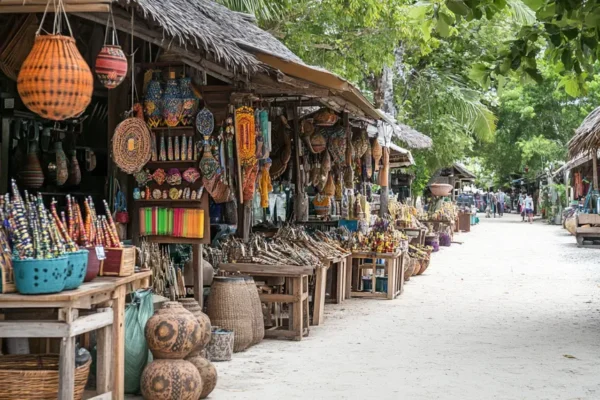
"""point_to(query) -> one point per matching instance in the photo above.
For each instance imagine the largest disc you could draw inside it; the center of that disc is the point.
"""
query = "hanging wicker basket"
(132, 145)
(55, 82)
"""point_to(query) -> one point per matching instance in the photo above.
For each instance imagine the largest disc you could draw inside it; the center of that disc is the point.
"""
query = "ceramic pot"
(93, 264)
(208, 373)
(111, 66)
(172, 332)
(50, 89)
(190, 101)
(153, 101)
(32, 175)
(171, 379)
(74, 171)
(172, 103)
(192, 306)
(62, 169)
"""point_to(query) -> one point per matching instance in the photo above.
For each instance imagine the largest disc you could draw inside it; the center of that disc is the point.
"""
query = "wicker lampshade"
(55, 81)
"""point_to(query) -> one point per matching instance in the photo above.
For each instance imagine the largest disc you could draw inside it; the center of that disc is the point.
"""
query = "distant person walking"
(494, 201)
(501, 197)
(522, 206)
(529, 208)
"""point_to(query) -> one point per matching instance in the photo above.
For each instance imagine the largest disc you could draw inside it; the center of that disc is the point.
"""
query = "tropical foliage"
(501, 82)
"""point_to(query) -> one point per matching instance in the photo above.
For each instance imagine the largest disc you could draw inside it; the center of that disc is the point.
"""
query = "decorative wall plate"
(205, 122)
(132, 145)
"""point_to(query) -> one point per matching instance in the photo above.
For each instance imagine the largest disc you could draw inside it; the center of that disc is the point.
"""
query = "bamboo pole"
(595, 166)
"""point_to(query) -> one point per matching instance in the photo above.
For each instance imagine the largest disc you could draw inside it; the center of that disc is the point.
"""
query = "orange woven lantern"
(55, 82)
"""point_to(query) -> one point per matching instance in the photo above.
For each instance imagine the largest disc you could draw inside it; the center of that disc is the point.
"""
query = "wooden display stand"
(104, 294)
(583, 233)
(197, 244)
(394, 271)
(464, 222)
(338, 267)
(296, 282)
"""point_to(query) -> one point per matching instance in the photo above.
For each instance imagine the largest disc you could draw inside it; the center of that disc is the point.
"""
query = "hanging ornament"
(189, 101)
(45, 84)
(153, 101)
(246, 148)
(377, 152)
(111, 63)
(62, 169)
(265, 184)
(74, 171)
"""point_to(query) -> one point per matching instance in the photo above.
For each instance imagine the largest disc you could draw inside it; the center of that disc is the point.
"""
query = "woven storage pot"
(220, 347)
(205, 326)
(171, 379)
(230, 307)
(35, 377)
(258, 325)
(55, 81)
(111, 66)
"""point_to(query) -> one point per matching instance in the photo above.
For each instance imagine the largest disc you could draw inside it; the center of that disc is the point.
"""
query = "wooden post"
(66, 364)
(5, 154)
(384, 180)
(298, 187)
(119, 343)
(595, 166)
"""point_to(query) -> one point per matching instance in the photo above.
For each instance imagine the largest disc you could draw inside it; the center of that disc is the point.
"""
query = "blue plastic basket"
(40, 276)
(77, 263)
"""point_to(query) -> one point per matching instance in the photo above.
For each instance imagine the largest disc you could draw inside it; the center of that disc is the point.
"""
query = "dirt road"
(513, 313)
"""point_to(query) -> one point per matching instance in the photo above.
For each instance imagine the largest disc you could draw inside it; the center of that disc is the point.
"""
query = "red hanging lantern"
(111, 63)
(111, 66)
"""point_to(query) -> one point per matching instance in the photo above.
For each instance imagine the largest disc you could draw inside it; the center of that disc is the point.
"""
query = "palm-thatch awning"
(413, 138)
(587, 136)
(400, 157)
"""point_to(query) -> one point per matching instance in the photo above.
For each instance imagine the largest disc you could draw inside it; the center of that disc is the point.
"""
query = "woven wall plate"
(132, 145)
(205, 122)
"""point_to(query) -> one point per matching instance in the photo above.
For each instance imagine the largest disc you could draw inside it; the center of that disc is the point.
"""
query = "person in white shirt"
(529, 208)
(500, 196)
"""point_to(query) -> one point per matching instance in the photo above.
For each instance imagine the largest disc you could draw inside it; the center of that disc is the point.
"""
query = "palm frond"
(521, 13)
(262, 9)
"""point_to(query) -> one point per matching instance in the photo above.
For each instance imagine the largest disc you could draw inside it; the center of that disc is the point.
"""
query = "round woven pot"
(208, 373)
(230, 307)
(62, 169)
(440, 189)
(220, 347)
(192, 306)
(32, 175)
(171, 379)
(55, 81)
(258, 324)
(111, 66)
(132, 145)
(172, 332)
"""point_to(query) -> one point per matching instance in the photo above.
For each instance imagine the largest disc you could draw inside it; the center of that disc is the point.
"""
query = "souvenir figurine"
(136, 193)
(176, 152)
(170, 149)
(165, 194)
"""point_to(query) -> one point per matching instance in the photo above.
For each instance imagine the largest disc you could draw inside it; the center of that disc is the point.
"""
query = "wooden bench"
(583, 233)
(104, 294)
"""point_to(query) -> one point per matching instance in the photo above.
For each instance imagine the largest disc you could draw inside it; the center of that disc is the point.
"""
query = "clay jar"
(192, 306)
(171, 379)
(208, 372)
(172, 332)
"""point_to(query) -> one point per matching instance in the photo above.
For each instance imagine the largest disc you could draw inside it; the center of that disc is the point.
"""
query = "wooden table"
(296, 283)
(339, 264)
(394, 270)
(107, 296)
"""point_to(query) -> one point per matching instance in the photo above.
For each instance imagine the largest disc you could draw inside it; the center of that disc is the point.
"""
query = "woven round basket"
(258, 324)
(35, 377)
(230, 307)
(55, 81)
(132, 145)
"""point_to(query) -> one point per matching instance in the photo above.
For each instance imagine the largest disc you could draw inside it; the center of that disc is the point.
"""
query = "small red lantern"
(111, 66)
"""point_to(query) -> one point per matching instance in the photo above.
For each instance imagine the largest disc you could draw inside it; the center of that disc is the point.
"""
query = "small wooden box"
(118, 262)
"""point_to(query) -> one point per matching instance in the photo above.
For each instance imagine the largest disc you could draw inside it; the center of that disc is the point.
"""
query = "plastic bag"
(137, 354)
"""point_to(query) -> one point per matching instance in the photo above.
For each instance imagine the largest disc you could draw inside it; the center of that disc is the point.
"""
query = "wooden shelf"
(172, 164)
(174, 240)
(170, 202)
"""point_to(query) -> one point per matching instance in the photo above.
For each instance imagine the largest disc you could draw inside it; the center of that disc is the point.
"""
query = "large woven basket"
(230, 307)
(35, 377)
(258, 324)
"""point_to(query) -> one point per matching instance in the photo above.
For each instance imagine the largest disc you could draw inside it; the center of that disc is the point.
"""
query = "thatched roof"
(205, 24)
(413, 138)
(587, 136)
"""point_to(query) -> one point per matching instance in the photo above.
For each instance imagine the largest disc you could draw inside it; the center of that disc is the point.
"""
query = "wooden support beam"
(70, 8)
(33, 329)
(91, 322)
(595, 167)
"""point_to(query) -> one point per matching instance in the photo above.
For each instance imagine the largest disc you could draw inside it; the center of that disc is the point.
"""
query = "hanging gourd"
(377, 152)
(111, 63)
(55, 82)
